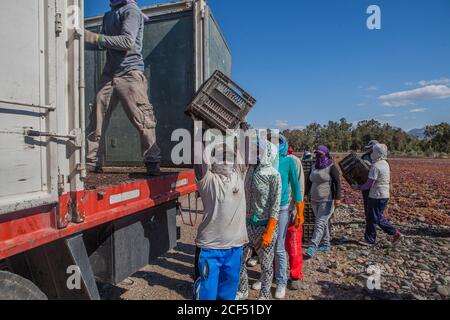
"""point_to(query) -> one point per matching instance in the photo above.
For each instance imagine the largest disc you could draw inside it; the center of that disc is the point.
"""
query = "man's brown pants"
(131, 91)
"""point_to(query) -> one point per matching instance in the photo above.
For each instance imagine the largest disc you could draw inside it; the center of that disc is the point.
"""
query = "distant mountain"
(419, 133)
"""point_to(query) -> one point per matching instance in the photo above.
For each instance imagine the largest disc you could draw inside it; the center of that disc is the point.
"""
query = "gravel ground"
(417, 268)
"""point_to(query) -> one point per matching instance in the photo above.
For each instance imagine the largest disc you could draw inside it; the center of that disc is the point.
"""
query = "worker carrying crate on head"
(122, 80)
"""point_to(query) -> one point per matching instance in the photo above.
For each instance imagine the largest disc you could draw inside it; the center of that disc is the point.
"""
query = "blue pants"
(219, 274)
(322, 212)
(374, 217)
(281, 258)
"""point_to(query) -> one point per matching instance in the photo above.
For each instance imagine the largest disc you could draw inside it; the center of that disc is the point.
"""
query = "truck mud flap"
(121, 248)
(61, 269)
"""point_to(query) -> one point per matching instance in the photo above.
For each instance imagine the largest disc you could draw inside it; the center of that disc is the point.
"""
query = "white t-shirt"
(380, 172)
(224, 223)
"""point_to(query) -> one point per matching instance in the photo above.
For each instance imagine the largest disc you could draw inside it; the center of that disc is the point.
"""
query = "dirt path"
(418, 268)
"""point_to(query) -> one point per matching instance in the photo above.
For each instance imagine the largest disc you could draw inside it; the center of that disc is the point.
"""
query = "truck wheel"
(14, 287)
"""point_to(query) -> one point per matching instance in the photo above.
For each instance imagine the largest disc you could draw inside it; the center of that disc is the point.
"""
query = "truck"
(64, 230)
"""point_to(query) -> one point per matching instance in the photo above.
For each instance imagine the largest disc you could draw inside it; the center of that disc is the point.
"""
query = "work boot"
(153, 169)
(93, 168)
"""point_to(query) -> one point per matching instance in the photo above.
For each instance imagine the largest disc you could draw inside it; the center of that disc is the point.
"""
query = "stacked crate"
(220, 103)
(354, 169)
(308, 226)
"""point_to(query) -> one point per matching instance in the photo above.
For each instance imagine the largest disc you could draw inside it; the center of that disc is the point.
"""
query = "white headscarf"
(380, 152)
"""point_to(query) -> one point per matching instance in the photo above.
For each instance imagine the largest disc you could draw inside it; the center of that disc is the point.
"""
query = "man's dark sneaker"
(396, 238)
(295, 284)
(92, 168)
(153, 169)
(366, 244)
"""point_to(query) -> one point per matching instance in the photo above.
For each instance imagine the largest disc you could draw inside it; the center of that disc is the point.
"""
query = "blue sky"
(314, 61)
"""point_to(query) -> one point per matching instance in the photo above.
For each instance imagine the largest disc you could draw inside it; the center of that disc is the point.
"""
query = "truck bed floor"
(118, 175)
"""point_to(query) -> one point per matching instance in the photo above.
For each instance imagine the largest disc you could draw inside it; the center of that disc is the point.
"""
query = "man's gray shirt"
(224, 222)
(122, 36)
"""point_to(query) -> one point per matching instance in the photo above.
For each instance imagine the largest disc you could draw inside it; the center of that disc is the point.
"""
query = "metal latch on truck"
(58, 24)
(75, 135)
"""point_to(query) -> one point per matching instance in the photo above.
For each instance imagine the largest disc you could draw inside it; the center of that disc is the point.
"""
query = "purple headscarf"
(323, 157)
(115, 3)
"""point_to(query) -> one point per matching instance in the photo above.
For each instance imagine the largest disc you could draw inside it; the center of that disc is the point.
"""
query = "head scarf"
(290, 151)
(268, 156)
(370, 145)
(380, 152)
(283, 146)
(307, 155)
(116, 3)
(323, 159)
(219, 165)
(224, 171)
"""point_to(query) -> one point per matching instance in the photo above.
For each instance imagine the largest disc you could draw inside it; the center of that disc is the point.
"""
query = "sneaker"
(396, 238)
(310, 252)
(280, 292)
(324, 248)
(252, 262)
(153, 169)
(365, 243)
(241, 296)
(257, 285)
(295, 284)
(92, 168)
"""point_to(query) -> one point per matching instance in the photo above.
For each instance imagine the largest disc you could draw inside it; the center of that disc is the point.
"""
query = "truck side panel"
(183, 46)
(39, 96)
(27, 80)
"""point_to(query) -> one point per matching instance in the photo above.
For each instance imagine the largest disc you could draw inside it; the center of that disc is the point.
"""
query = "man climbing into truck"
(122, 80)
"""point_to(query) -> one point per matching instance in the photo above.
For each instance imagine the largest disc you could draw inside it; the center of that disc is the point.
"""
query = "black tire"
(14, 287)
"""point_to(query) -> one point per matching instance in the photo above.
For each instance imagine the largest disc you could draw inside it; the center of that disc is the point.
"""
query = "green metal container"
(183, 46)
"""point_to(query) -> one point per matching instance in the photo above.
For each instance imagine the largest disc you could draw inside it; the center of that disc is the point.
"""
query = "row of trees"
(343, 136)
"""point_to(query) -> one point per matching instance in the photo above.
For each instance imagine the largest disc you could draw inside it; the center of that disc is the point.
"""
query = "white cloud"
(384, 121)
(444, 81)
(397, 103)
(402, 98)
(418, 110)
(372, 88)
(423, 83)
(284, 124)
(281, 124)
(362, 104)
(388, 115)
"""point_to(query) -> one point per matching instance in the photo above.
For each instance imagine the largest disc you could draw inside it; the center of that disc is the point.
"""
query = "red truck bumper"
(79, 211)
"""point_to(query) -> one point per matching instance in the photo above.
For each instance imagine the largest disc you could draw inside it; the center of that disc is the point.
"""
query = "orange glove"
(267, 237)
(299, 217)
